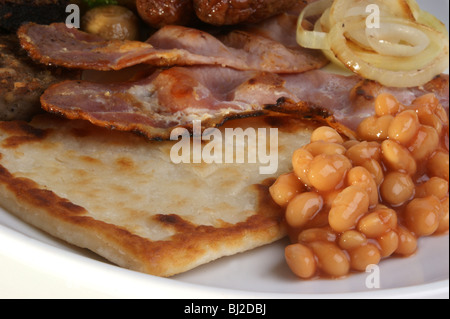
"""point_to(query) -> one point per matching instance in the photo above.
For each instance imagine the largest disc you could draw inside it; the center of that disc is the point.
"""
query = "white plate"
(35, 265)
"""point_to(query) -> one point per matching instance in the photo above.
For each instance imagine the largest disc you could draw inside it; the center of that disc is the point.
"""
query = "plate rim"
(15, 243)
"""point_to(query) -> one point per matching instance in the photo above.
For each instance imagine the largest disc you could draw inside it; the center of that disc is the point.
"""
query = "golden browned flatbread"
(122, 196)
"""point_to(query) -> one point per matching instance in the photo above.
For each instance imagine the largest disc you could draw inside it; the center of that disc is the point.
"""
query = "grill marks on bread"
(29, 191)
(122, 207)
(21, 133)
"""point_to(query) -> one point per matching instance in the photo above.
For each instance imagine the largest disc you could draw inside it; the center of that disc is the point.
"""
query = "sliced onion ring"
(406, 78)
(400, 63)
(313, 39)
(397, 39)
(342, 9)
(409, 49)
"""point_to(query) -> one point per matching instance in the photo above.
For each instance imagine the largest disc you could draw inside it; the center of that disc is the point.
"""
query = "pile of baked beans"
(351, 203)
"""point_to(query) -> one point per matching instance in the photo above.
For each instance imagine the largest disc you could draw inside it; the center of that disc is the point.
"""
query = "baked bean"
(375, 128)
(429, 111)
(378, 222)
(426, 103)
(316, 234)
(329, 197)
(380, 206)
(397, 188)
(363, 256)
(386, 104)
(404, 127)
(363, 151)
(300, 163)
(347, 208)
(300, 260)
(349, 143)
(438, 165)
(441, 114)
(444, 207)
(327, 148)
(388, 243)
(434, 186)
(398, 157)
(326, 134)
(351, 239)
(365, 199)
(330, 258)
(443, 223)
(422, 215)
(374, 167)
(327, 172)
(424, 143)
(407, 242)
(433, 121)
(302, 208)
(286, 187)
(362, 177)
(319, 220)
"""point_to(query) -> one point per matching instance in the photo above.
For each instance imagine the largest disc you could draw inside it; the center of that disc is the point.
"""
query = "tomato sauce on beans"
(352, 203)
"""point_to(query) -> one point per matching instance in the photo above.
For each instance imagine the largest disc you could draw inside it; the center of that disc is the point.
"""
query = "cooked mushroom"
(111, 22)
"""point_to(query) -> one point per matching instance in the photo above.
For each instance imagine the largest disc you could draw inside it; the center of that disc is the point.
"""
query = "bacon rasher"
(173, 46)
(251, 71)
(166, 99)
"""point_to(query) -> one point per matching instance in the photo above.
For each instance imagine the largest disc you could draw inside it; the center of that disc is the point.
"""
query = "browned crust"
(37, 206)
(20, 133)
(192, 245)
(310, 112)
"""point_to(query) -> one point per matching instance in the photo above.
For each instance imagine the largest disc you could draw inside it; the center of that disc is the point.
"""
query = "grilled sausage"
(158, 13)
(229, 12)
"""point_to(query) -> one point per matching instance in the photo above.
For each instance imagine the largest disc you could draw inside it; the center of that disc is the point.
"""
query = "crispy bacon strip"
(170, 46)
(155, 105)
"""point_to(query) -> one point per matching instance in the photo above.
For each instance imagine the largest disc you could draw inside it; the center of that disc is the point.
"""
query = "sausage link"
(229, 12)
(158, 13)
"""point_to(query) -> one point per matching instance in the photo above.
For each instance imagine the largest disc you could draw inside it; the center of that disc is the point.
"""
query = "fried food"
(122, 197)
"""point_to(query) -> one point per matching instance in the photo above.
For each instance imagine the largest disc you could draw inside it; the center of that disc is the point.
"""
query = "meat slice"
(350, 99)
(155, 105)
(170, 46)
(56, 44)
